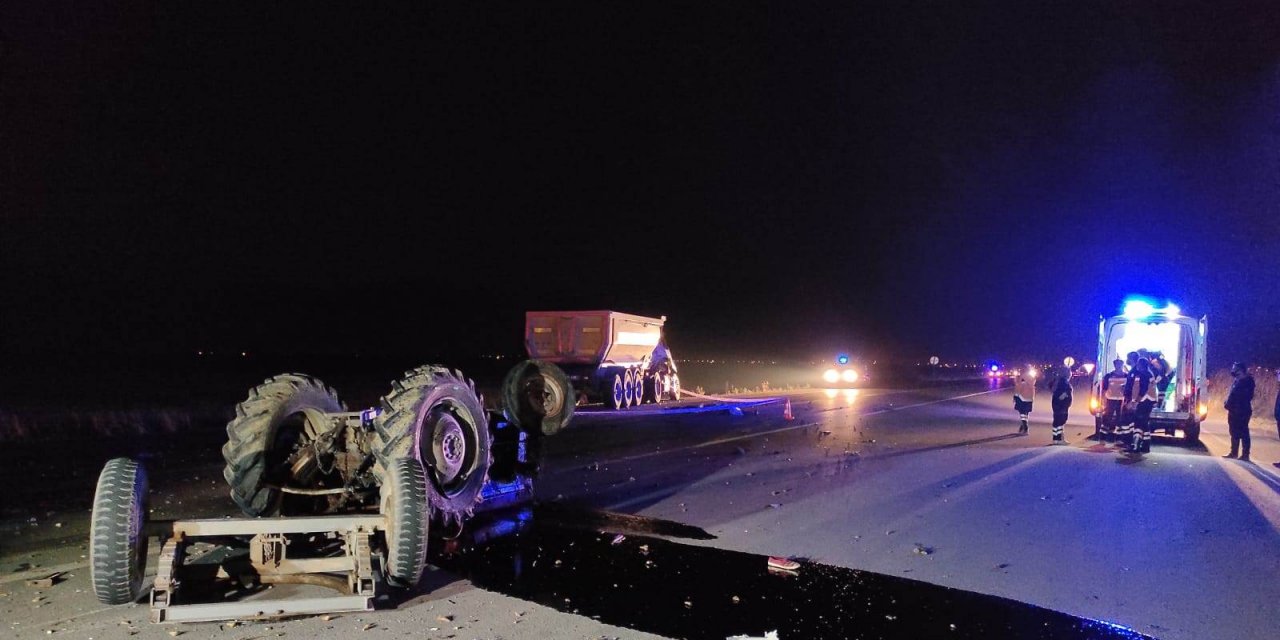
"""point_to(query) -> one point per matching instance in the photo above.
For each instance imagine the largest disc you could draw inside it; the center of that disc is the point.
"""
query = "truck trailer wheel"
(537, 397)
(117, 544)
(404, 505)
(618, 392)
(657, 387)
(629, 388)
(434, 416)
(675, 386)
(266, 439)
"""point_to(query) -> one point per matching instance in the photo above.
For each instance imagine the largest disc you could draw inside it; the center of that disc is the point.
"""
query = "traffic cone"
(786, 411)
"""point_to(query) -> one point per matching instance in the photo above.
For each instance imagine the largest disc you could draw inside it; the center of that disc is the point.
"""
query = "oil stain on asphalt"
(616, 571)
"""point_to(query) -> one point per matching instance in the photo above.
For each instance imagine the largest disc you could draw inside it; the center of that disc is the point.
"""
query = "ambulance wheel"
(117, 544)
(1191, 432)
(404, 505)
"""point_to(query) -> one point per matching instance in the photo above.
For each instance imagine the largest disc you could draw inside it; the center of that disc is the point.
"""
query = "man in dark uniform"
(1112, 390)
(1141, 395)
(1061, 401)
(1239, 406)
(1277, 464)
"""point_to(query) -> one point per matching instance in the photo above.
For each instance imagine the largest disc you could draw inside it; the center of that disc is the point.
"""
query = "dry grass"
(1264, 395)
(34, 425)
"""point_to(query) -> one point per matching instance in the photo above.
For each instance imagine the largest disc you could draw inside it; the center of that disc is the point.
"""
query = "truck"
(331, 497)
(616, 358)
(1158, 332)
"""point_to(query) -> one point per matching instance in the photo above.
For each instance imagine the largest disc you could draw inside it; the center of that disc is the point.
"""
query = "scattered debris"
(775, 505)
(47, 581)
(783, 564)
(617, 540)
(771, 635)
(444, 618)
(368, 626)
(922, 550)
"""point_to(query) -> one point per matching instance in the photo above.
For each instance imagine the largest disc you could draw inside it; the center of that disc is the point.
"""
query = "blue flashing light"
(842, 359)
(1137, 309)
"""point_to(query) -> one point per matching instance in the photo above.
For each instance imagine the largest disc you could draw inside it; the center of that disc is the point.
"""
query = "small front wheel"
(117, 544)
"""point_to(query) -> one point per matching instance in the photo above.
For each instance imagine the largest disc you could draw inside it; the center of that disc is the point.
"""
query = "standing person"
(1024, 393)
(1239, 406)
(1113, 398)
(1140, 394)
(1124, 426)
(1061, 402)
(1277, 464)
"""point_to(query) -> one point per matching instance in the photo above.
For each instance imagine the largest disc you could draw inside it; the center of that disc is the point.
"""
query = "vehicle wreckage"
(331, 497)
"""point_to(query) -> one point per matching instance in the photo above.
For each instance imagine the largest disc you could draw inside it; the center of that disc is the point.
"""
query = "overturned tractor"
(335, 497)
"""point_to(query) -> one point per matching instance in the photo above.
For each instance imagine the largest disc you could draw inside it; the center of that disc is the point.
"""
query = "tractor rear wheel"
(267, 438)
(434, 416)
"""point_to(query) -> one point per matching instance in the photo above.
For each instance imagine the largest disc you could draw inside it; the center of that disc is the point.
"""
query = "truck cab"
(1180, 341)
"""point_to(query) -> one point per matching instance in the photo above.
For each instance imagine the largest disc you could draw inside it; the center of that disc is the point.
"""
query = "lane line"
(757, 434)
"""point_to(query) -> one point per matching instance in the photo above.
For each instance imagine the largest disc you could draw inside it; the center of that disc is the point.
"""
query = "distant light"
(849, 375)
(1068, 361)
(1088, 367)
(244, 354)
(995, 367)
(842, 359)
(831, 375)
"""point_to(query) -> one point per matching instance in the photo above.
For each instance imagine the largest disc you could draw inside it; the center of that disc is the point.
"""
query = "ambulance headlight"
(831, 375)
(849, 375)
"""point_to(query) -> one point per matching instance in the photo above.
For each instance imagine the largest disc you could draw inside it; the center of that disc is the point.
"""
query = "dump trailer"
(616, 358)
(334, 498)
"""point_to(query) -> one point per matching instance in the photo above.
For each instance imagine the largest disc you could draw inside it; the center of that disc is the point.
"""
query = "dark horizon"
(895, 182)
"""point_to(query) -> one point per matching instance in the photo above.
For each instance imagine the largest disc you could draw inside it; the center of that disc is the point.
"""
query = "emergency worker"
(1124, 429)
(1140, 394)
(1024, 393)
(1061, 402)
(1239, 406)
(1113, 399)
(1161, 376)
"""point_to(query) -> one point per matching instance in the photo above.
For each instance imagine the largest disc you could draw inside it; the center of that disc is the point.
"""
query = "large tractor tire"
(404, 505)
(117, 543)
(537, 397)
(434, 416)
(266, 440)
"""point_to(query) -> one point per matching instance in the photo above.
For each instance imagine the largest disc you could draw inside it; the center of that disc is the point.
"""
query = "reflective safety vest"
(1113, 386)
(1025, 388)
(1153, 394)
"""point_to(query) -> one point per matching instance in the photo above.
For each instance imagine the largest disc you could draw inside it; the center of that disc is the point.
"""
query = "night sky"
(894, 180)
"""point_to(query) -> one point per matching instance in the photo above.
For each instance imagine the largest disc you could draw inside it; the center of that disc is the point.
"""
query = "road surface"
(926, 484)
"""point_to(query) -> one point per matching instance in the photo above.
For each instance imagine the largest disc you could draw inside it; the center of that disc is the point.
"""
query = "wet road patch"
(686, 591)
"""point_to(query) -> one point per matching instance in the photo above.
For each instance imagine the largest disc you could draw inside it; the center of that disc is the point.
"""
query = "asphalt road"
(927, 484)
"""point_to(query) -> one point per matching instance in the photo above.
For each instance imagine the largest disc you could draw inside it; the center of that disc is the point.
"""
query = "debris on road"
(617, 540)
(771, 635)
(783, 564)
(47, 581)
(922, 550)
